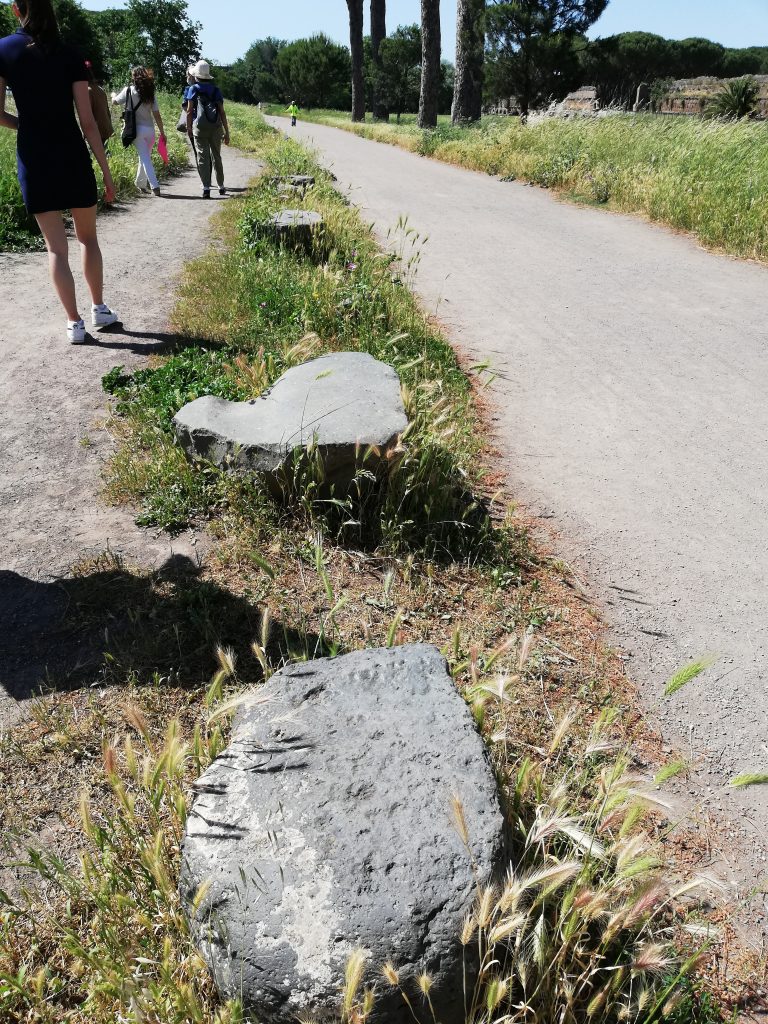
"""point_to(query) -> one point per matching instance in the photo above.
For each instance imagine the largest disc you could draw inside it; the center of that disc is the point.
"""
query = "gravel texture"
(631, 414)
(51, 431)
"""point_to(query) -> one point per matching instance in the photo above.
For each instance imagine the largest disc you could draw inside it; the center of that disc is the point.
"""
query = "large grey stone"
(326, 826)
(343, 402)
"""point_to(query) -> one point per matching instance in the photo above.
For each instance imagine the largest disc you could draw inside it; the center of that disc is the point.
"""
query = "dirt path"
(51, 442)
(631, 407)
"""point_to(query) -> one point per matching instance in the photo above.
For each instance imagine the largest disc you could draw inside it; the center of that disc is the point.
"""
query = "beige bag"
(101, 111)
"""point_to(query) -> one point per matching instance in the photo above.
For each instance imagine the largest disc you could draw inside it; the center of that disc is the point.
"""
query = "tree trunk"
(524, 99)
(356, 47)
(470, 53)
(378, 35)
(430, 63)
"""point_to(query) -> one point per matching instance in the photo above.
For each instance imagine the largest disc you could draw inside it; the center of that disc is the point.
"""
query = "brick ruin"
(691, 95)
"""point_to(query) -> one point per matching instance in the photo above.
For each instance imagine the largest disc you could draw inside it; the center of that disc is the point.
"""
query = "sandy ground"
(630, 405)
(51, 439)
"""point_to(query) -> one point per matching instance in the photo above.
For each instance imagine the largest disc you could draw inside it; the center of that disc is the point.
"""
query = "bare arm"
(91, 132)
(159, 122)
(6, 120)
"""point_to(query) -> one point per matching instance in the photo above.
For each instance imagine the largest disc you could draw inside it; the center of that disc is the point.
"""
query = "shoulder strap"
(129, 99)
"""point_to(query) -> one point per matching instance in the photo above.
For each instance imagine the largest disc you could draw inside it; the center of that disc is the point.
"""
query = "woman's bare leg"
(55, 235)
(93, 265)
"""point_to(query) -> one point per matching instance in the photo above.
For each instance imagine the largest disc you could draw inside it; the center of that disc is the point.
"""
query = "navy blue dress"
(55, 169)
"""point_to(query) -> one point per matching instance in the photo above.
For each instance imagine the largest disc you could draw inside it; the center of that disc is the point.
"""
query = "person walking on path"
(54, 166)
(293, 110)
(207, 126)
(140, 97)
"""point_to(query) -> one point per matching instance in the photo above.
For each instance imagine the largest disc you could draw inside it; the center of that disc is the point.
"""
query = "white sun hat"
(202, 70)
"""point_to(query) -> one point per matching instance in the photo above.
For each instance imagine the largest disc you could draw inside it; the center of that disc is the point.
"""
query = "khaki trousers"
(208, 139)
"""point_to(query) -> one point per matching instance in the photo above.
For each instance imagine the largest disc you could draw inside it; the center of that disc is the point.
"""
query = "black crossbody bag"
(129, 119)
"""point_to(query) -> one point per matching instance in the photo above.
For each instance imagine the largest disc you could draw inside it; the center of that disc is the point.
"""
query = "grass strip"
(707, 177)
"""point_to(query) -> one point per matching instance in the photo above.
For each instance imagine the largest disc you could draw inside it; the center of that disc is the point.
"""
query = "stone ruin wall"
(691, 95)
(582, 101)
(688, 96)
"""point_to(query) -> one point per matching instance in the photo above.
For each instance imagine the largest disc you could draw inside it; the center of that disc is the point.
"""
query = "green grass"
(708, 177)
(18, 231)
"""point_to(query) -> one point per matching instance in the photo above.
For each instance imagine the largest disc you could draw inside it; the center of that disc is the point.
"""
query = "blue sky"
(230, 25)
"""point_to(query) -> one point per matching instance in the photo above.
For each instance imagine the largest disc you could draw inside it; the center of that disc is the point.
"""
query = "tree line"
(532, 51)
(157, 34)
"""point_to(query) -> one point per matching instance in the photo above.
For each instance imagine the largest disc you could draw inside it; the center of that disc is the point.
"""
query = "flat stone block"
(302, 181)
(297, 228)
(342, 403)
(326, 826)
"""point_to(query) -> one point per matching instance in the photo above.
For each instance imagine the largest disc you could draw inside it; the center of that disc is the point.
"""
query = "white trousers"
(145, 142)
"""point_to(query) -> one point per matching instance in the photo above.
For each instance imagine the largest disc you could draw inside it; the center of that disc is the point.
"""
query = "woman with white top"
(140, 96)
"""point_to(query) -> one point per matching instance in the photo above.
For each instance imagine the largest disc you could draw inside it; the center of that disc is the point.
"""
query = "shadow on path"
(122, 338)
(109, 625)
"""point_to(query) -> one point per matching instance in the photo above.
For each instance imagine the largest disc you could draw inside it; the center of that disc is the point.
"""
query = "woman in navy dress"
(55, 170)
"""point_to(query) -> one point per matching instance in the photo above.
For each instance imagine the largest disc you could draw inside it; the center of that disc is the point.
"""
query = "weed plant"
(709, 177)
(106, 939)
(18, 231)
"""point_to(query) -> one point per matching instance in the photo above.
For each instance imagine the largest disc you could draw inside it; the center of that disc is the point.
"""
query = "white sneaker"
(75, 332)
(103, 316)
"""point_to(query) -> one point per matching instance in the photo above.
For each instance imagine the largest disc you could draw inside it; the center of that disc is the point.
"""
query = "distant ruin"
(691, 95)
(688, 97)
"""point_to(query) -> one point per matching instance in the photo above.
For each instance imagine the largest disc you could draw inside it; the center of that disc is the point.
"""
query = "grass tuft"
(686, 674)
(753, 779)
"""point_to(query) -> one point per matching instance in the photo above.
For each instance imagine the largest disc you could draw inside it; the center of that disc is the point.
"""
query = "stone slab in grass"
(295, 228)
(303, 181)
(343, 403)
(326, 826)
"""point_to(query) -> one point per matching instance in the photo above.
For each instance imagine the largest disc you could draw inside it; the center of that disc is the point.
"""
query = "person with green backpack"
(207, 126)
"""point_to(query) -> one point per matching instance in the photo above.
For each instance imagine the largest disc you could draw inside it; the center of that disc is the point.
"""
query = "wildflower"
(351, 266)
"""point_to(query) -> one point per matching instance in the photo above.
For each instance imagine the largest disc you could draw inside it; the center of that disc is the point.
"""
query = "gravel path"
(631, 408)
(52, 444)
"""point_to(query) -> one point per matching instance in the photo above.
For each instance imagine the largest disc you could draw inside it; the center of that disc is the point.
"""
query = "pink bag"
(162, 149)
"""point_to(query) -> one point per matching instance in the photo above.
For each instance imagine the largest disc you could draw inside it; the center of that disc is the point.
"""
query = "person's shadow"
(110, 626)
(147, 343)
